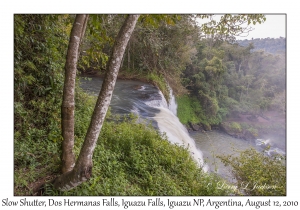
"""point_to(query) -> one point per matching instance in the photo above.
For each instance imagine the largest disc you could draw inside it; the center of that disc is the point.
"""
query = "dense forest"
(231, 80)
(217, 83)
(269, 45)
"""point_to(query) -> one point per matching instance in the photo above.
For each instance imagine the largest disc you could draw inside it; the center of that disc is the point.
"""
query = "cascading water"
(169, 123)
(172, 103)
(148, 103)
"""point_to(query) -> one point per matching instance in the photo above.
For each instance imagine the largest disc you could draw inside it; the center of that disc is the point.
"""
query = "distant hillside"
(269, 45)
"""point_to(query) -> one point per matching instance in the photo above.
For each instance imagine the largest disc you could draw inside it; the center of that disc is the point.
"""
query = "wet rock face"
(247, 135)
(137, 87)
(199, 127)
(206, 127)
(194, 127)
(252, 118)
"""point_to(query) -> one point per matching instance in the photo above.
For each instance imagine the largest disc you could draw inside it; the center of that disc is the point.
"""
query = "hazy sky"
(273, 27)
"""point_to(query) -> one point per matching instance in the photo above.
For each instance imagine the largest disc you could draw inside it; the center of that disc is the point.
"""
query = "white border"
(8, 8)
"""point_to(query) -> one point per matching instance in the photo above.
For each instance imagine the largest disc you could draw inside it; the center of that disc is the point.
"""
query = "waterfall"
(169, 123)
(172, 103)
(148, 102)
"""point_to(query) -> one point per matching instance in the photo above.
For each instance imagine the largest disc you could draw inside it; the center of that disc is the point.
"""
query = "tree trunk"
(84, 28)
(68, 104)
(83, 168)
(128, 53)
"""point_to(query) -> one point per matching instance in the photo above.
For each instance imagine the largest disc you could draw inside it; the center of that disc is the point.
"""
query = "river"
(148, 103)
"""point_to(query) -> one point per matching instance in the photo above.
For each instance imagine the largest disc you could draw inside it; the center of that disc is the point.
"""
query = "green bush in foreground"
(131, 159)
(258, 174)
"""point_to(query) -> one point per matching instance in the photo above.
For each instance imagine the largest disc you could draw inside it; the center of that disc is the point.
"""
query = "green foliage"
(228, 79)
(231, 25)
(156, 20)
(39, 47)
(40, 44)
(258, 174)
(160, 82)
(270, 45)
(34, 161)
(236, 127)
(133, 159)
(188, 109)
(222, 79)
(129, 159)
(163, 45)
(253, 131)
(99, 38)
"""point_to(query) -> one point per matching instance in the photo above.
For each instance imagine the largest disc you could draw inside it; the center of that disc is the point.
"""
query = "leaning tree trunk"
(83, 168)
(68, 104)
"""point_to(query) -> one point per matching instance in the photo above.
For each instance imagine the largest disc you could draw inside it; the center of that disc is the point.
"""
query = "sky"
(273, 27)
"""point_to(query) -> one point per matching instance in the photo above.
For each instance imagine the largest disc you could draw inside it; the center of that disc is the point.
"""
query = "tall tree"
(68, 104)
(83, 167)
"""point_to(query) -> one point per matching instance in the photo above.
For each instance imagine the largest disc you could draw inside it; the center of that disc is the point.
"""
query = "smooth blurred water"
(215, 143)
(147, 101)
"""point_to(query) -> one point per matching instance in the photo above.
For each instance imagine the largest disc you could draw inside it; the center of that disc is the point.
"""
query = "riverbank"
(251, 127)
(242, 126)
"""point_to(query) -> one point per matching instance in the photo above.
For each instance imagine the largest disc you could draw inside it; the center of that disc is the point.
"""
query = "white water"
(169, 124)
(264, 143)
(148, 103)
(177, 134)
(172, 103)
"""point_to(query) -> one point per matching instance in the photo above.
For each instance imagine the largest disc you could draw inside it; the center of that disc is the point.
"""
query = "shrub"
(236, 127)
(134, 159)
(159, 81)
(188, 109)
(258, 174)
(253, 131)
